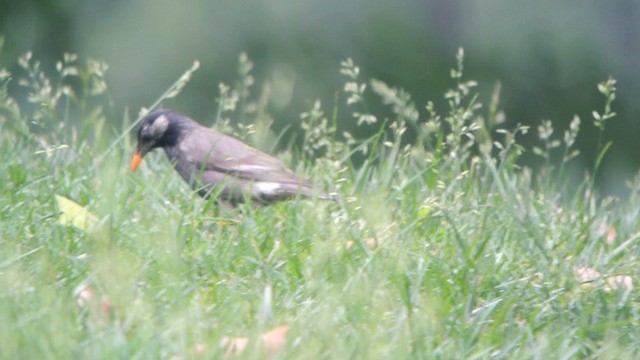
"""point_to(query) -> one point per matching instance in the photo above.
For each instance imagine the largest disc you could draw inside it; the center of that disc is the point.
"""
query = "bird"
(213, 163)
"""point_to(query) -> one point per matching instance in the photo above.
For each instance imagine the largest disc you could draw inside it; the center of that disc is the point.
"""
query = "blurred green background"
(548, 55)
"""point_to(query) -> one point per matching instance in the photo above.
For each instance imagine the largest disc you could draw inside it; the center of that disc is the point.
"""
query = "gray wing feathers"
(220, 159)
(212, 151)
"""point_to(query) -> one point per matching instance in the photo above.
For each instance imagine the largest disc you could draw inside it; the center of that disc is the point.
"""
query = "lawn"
(443, 246)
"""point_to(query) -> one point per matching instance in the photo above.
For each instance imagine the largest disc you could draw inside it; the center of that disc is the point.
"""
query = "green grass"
(444, 247)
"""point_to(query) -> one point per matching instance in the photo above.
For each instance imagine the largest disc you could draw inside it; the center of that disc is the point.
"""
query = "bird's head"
(156, 130)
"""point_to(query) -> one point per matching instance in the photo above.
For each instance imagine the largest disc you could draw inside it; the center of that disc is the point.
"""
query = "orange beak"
(136, 160)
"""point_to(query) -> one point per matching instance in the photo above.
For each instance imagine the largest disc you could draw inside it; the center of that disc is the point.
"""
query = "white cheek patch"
(266, 188)
(158, 127)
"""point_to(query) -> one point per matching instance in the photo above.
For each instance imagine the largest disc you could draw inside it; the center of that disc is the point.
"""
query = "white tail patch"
(266, 188)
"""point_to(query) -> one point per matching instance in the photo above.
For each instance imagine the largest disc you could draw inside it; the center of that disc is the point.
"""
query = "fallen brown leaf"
(588, 275)
(84, 294)
(371, 243)
(611, 235)
(274, 340)
(620, 282)
(233, 345)
(271, 342)
(199, 348)
(585, 274)
(85, 297)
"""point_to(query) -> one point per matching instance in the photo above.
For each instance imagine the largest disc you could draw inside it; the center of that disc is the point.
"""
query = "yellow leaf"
(71, 213)
(424, 211)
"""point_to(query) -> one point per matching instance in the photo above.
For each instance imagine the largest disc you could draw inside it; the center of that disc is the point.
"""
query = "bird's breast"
(171, 152)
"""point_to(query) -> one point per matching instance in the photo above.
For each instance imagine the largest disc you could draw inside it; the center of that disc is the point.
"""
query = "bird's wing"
(208, 150)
